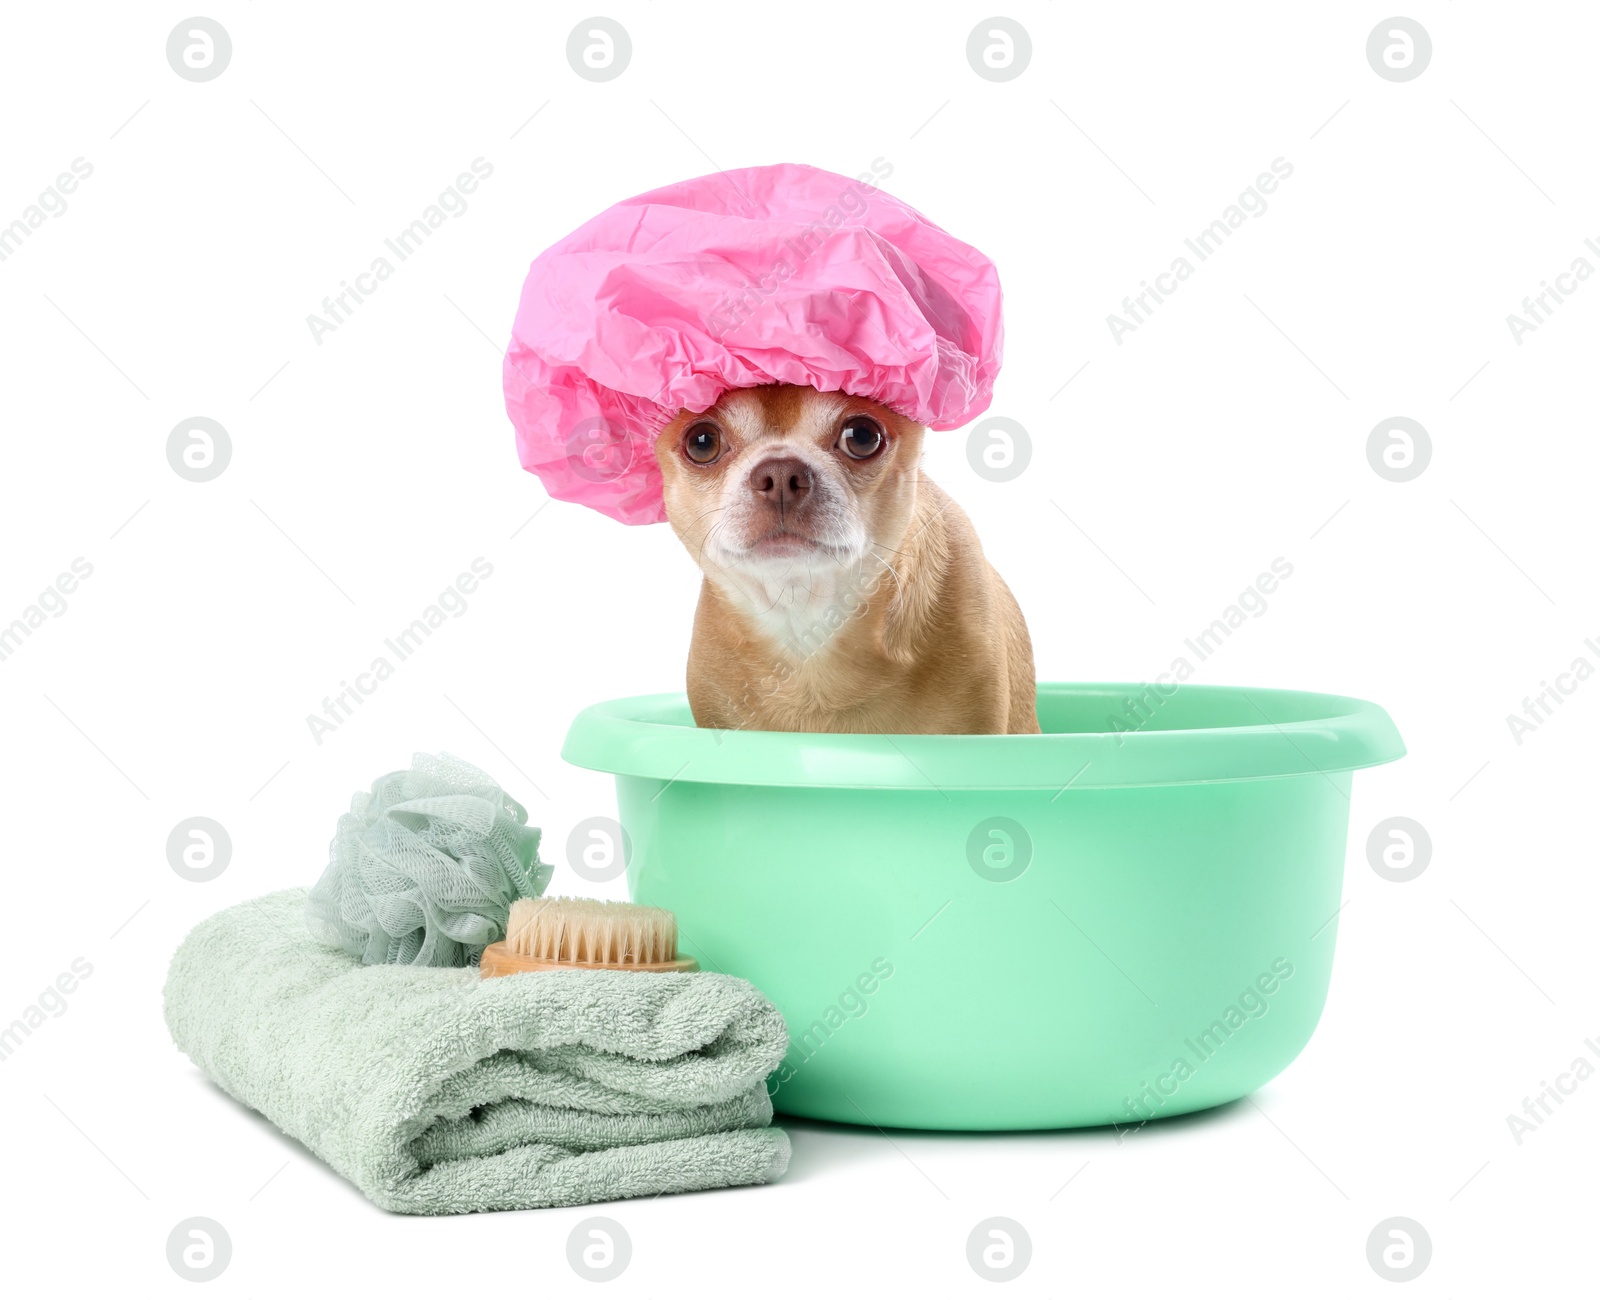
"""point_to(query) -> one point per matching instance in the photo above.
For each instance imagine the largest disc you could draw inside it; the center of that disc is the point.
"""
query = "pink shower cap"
(782, 274)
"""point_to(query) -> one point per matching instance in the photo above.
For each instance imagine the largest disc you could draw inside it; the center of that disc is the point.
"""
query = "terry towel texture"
(437, 1092)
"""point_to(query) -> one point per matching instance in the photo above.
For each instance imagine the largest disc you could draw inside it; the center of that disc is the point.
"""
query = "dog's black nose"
(784, 482)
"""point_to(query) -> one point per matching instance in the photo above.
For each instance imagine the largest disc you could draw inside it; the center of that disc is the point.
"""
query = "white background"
(178, 680)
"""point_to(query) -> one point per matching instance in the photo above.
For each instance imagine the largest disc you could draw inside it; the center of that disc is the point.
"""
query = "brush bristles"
(590, 932)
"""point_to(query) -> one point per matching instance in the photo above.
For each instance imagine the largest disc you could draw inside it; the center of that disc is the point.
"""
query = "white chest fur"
(800, 606)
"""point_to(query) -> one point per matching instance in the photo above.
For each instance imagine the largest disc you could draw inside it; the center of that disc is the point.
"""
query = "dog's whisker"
(781, 588)
(899, 587)
(717, 509)
(706, 541)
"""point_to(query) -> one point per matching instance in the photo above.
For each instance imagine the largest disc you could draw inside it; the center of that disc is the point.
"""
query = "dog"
(842, 591)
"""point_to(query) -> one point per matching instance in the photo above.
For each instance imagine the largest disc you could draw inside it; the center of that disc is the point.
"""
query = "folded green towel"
(436, 1092)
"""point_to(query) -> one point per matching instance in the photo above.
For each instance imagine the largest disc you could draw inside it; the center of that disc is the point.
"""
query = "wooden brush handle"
(498, 959)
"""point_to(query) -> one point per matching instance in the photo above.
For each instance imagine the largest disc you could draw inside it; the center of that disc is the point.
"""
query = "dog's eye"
(861, 438)
(702, 444)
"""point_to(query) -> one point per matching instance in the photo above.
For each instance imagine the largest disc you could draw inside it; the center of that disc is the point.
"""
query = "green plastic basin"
(1127, 917)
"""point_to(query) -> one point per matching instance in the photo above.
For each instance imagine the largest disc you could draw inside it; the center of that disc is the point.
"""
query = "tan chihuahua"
(843, 591)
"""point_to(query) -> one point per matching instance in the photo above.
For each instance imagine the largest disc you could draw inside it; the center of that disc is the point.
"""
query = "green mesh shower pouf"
(423, 869)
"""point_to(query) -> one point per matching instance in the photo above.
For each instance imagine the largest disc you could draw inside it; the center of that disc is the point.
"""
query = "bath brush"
(585, 934)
